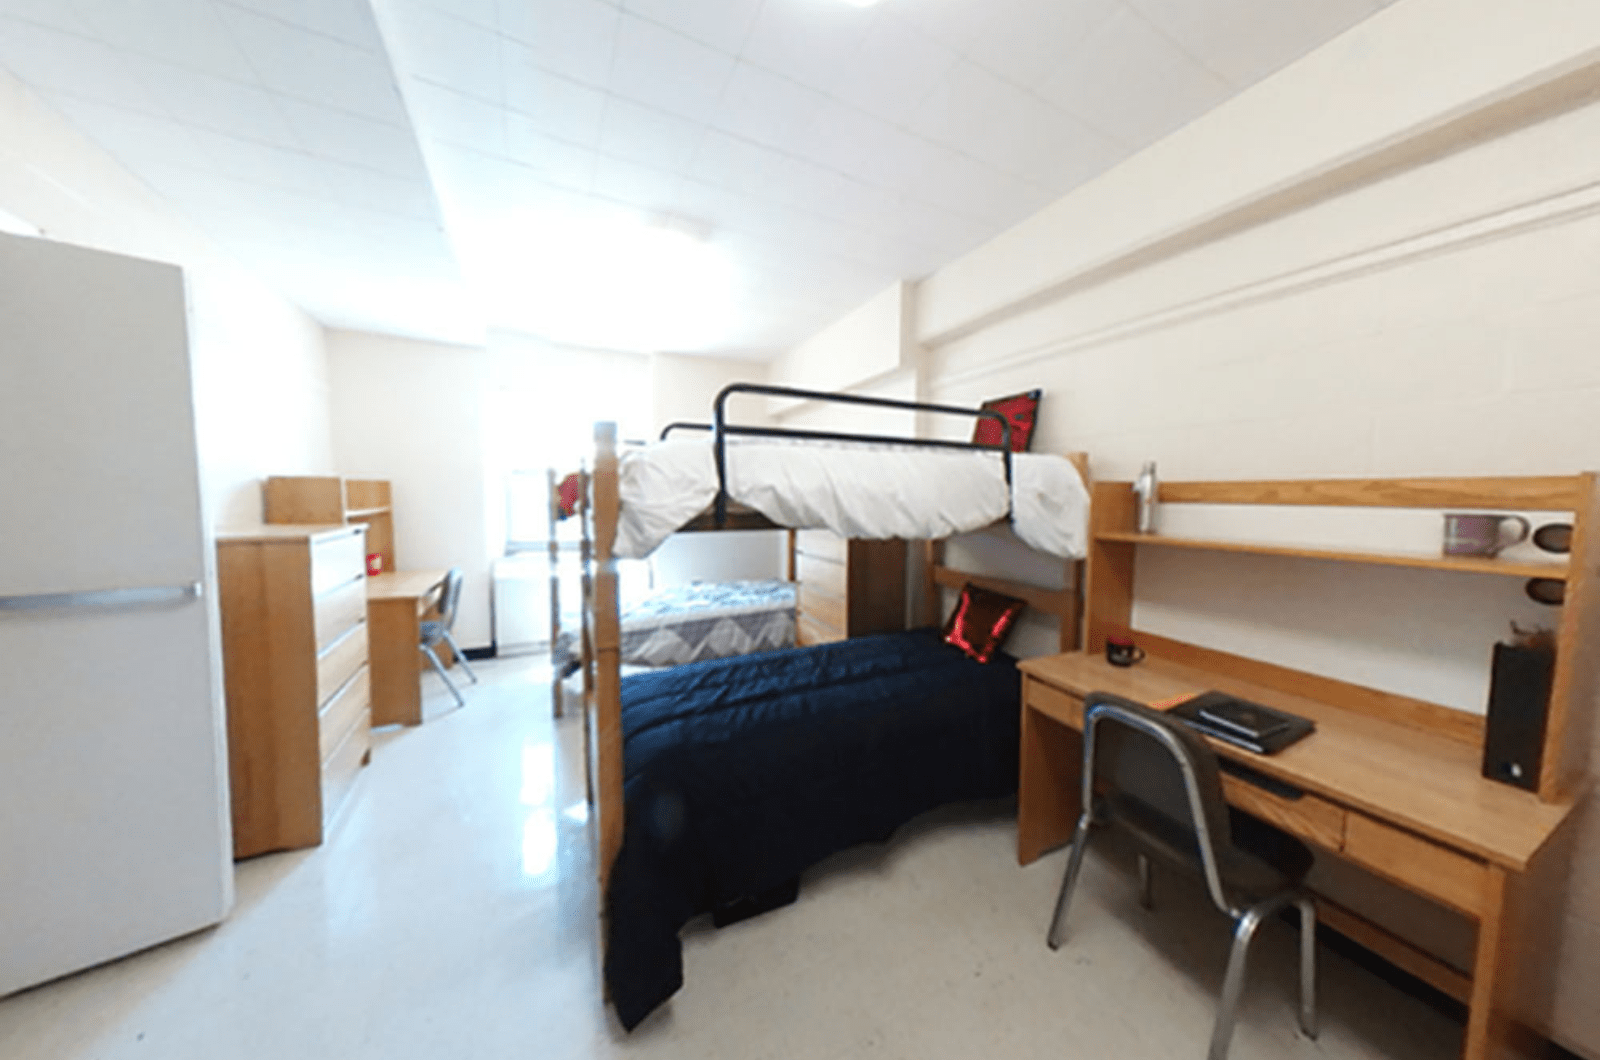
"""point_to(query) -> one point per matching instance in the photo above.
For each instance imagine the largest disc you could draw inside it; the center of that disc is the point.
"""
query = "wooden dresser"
(848, 588)
(294, 641)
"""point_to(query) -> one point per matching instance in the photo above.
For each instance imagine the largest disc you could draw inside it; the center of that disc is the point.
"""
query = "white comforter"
(855, 491)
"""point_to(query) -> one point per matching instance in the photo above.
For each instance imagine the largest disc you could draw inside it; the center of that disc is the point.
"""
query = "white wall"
(414, 413)
(1383, 260)
(259, 364)
(682, 389)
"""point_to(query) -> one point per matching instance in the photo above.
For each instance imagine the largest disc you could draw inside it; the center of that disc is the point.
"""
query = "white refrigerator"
(114, 830)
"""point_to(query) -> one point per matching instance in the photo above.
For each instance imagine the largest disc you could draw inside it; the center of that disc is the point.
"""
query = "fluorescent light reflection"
(607, 283)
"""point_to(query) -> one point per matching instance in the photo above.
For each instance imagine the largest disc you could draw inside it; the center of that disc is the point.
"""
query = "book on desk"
(1255, 728)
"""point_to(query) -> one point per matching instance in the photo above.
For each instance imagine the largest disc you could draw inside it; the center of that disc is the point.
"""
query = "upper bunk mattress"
(856, 491)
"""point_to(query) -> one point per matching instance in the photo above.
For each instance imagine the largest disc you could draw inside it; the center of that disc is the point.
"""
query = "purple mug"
(1473, 534)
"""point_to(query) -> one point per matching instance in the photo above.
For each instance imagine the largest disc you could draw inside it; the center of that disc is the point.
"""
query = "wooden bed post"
(602, 621)
(554, 552)
(932, 600)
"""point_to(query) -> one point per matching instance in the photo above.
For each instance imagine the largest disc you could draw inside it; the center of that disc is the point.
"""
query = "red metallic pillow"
(1020, 410)
(980, 622)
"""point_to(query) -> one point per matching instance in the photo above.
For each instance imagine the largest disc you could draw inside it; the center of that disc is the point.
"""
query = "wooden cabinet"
(294, 642)
(848, 588)
(319, 500)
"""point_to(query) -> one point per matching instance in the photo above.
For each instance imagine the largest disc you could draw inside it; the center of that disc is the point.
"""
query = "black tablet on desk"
(1242, 723)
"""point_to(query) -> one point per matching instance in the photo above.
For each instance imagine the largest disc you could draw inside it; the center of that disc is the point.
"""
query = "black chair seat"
(1261, 860)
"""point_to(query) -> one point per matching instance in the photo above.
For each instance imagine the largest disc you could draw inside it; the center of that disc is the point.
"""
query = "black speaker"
(1519, 703)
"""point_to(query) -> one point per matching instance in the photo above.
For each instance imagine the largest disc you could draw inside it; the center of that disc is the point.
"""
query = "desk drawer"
(1315, 820)
(337, 611)
(1421, 864)
(341, 659)
(335, 719)
(824, 544)
(1053, 703)
(820, 607)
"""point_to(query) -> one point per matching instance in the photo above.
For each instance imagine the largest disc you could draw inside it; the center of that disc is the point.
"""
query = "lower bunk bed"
(715, 785)
(741, 773)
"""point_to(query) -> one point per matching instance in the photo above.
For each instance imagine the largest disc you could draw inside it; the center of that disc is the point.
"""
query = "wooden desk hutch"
(1390, 783)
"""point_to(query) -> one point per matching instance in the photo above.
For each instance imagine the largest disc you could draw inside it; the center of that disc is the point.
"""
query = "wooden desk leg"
(394, 634)
(1048, 785)
(1481, 1015)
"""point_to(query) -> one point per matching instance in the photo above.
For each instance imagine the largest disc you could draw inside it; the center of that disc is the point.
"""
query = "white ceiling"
(412, 166)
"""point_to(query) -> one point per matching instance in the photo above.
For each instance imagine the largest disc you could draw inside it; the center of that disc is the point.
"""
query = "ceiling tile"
(1244, 40)
(446, 116)
(360, 141)
(51, 13)
(668, 70)
(485, 13)
(1132, 81)
(432, 46)
(185, 33)
(732, 162)
(766, 108)
(129, 134)
(309, 66)
(576, 38)
(647, 187)
(258, 163)
(894, 70)
(348, 20)
(1028, 43)
(67, 65)
(722, 24)
(366, 190)
(556, 105)
(638, 133)
(554, 161)
(215, 103)
(954, 22)
(808, 42)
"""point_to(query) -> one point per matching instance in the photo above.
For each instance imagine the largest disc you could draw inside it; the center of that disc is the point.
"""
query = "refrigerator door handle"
(140, 597)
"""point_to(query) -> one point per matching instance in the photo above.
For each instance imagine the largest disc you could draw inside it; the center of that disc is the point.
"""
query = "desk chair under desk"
(1387, 782)
(396, 605)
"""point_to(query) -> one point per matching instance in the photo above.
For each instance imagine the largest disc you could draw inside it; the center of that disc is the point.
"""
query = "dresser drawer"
(337, 559)
(824, 544)
(822, 574)
(1052, 702)
(336, 611)
(339, 660)
(1447, 875)
(342, 768)
(829, 610)
(341, 712)
(809, 631)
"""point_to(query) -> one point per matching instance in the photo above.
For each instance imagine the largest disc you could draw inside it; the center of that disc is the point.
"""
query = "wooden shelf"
(1459, 564)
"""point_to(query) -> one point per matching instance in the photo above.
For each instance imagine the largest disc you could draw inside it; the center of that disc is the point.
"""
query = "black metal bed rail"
(721, 429)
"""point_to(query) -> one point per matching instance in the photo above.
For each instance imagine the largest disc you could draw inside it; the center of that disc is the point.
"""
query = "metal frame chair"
(438, 631)
(1171, 816)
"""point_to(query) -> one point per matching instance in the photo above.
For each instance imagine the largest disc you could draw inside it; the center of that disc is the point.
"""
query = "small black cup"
(1122, 652)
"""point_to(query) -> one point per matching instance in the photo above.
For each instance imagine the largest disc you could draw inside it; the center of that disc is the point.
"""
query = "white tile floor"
(451, 914)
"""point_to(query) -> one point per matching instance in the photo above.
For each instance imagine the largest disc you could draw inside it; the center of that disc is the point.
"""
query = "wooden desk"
(396, 604)
(1406, 804)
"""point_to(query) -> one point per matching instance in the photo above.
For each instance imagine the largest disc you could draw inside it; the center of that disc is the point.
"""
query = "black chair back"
(450, 597)
(1155, 776)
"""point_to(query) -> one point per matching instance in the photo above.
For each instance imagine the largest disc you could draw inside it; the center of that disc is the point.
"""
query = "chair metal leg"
(438, 668)
(1308, 966)
(1244, 931)
(1080, 842)
(461, 656)
(1146, 883)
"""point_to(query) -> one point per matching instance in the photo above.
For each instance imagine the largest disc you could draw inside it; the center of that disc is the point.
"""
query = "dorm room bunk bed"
(716, 784)
(672, 626)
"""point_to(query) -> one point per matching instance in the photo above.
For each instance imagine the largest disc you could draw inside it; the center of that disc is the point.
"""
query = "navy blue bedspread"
(741, 773)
